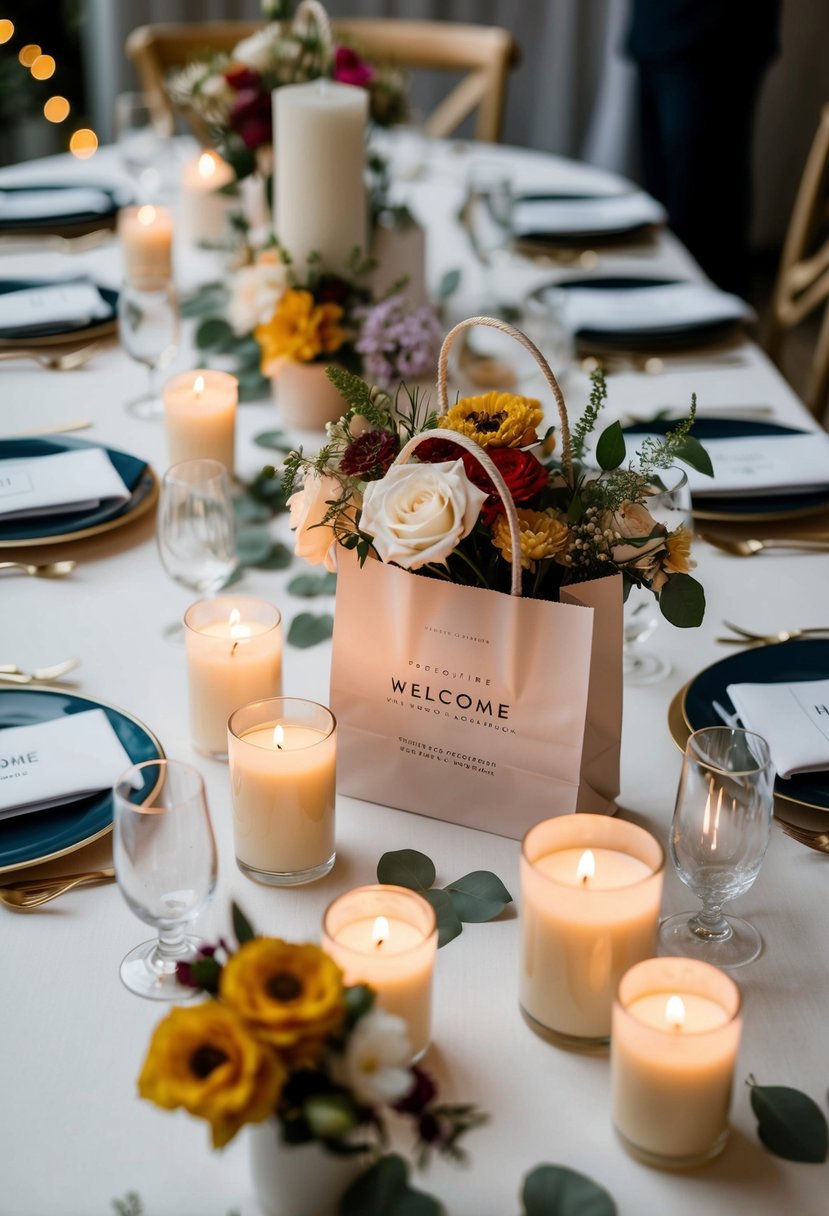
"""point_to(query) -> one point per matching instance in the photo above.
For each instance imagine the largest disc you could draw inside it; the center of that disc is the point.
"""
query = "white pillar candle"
(204, 207)
(320, 204)
(146, 235)
(590, 893)
(386, 937)
(234, 656)
(282, 756)
(200, 416)
(676, 1031)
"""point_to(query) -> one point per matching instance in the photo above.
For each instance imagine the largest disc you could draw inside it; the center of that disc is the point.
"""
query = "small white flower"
(255, 293)
(377, 1058)
(256, 52)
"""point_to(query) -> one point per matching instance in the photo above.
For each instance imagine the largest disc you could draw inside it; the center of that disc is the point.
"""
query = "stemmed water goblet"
(487, 217)
(719, 836)
(196, 529)
(144, 139)
(148, 327)
(165, 864)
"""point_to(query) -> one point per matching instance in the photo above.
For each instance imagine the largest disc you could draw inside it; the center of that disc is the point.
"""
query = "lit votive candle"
(282, 754)
(234, 656)
(204, 207)
(146, 235)
(387, 937)
(200, 416)
(591, 887)
(676, 1031)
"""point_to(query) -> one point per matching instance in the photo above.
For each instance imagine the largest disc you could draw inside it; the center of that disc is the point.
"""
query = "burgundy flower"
(370, 455)
(419, 1096)
(251, 117)
(332, 290)
(349, 68)
(435, 451)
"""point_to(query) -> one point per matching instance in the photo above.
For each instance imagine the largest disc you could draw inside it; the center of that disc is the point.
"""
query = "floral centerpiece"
(230, 93)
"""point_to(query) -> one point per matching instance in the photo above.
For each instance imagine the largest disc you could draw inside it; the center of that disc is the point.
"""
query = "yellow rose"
(205, 1060)
(543, 534)
(286, 994)
(299, 331)
(499, 420)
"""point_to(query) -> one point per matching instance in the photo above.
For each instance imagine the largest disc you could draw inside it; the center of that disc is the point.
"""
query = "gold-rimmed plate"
(59, 333)
(28, 840)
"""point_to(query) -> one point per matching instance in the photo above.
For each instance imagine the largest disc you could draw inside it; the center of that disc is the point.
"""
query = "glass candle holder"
(234, 656)
(591, 887)
(283, 775)
(676, 1031)
(200, 416)
(387, 937)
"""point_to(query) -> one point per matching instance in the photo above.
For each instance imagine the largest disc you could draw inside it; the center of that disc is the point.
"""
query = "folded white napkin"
(649, 309)
(52, 304)
(52, 203)
(67, 481)
(767, 465)
(58, 761)
(792, 718)
(607, 213)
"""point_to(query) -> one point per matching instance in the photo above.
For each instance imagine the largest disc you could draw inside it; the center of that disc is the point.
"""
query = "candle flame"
(198, 389)
(586, 868)
(675, 1012)
(237, 630)
(207, 165)
(380, 932)
(146, 215)
(278, 737)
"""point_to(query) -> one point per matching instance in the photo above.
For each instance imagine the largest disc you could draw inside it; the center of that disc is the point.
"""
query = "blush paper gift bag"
(470, 705)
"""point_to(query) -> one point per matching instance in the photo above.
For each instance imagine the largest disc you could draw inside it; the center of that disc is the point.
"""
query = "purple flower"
(349, 68)
(398, 344)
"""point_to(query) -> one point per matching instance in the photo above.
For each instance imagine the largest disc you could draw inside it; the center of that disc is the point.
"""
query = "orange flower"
(299, 331)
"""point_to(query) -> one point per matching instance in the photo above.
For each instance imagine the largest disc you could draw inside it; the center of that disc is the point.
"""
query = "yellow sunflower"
(499, 420)
(543, 534)
(287, 995)
(299, 330)
(205, 1060)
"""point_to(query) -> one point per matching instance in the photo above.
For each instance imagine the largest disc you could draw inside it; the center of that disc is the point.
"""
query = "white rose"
(255, 52)
(254, 294)
(308, 507)
(419, 513)
(376, 1063)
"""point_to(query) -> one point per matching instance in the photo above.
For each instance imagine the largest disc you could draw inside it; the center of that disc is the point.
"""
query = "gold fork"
(747, 638)
(32, 892)
(812, 839)
(748, 548)
(55, 361)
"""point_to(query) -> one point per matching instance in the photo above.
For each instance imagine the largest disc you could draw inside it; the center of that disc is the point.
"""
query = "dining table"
(74, 1134)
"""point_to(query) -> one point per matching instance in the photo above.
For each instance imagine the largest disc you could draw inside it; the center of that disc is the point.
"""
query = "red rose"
(239, 77)
(251, 117)
(349, 68)
(524, 474)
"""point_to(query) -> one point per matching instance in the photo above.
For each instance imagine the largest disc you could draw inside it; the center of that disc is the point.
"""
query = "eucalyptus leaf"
(449, 283)
(554, 1190)
(248, 511)
(276, 440)
(278, 557)
(682, 601)
(691, 452)
(241, 925)
(406, 868)
(253, 386)
(415, 1203)
(211, 298)
(610, 450)
(308, 630)
(789, 1122)
(214, 333)
(478, 896)
(359, 999)
(248, 352)
(253, 545)
(373, 1193)
(449, 924)
(307, 586)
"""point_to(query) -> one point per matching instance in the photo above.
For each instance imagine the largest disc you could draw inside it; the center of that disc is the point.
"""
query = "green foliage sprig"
(476, 897)
(789, 1123)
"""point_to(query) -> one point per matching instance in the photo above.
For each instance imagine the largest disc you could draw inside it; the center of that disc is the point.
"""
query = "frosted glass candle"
(200, 416)
(203, 207)
(282, 754)
(146, 235)
(234, 656)
(320, 204)
(676, 1031)
(591, 887)
(387, 937)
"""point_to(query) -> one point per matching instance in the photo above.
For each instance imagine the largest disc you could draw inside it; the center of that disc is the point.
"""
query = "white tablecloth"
(73, 1134)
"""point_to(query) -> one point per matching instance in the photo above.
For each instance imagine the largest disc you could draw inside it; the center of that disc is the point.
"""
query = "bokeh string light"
(6, 30)
(43, 67)
(28, 54)
(56, 109)
(84, 143)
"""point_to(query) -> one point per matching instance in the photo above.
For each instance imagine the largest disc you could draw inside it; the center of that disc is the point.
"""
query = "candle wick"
(233, 649)
(584, 879)
(378, 943)
(279, 747)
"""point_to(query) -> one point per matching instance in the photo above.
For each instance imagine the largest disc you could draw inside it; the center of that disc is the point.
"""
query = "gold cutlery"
(60, 428)
(47, 570)
(748, 548)
(56, 361)
(746, 637)
(10, 674)
(657, 365)
(812, 839)
(30, 242)
(32, 892)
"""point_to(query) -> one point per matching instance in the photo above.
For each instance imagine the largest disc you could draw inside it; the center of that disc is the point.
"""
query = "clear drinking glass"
(165, 863)
(719, 837)
(196, 529)
(487, 217)
(148, 329)
(670, 505)
(143, 136)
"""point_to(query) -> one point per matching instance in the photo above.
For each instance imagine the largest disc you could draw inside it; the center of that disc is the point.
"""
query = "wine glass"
(148, 329)
(487, 217)
(143, 136)
(719, 836)
(196, 529)
(669, 505)
(165, 863)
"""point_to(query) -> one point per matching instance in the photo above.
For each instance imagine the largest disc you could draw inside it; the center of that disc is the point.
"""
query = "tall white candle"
(282, 754)
(386, 937)
(590, 893)
(146, 235)
(320, 204)
(203, 207)
(234, 656)
(676, 1031)
(200, 416)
